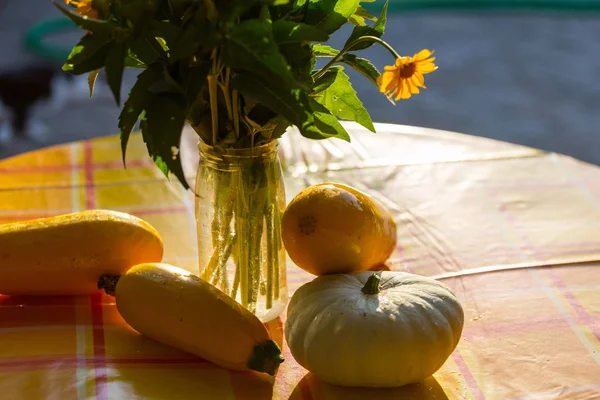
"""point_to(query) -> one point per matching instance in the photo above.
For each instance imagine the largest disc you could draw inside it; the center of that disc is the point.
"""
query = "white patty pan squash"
(373, 329)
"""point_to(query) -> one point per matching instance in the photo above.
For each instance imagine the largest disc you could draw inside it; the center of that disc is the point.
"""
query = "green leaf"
(279, 99)
(92, 80)
(138, 99)
(199, 33)
(162, 124)
(330, 15)
(89, 24)
(231, 11)
(364, 13)
(86, 48)
(166, 30)
(321, 50)
(359, 17)
(88, 55)
(357, 20)
(194, 81)
(264, 14)
(94, 62)
(163, 44)
(362, 65)
(300, 3)
(326, 80)
(144, 51)
(280, 129)
(376, 30)
(138, 11)
(251, 47)
(114, 66)
(292, 32)
(312, 119)
(326, 124)
(261, 114)
(178, 7)
(341, 99)
(132, 62)
(301, 60)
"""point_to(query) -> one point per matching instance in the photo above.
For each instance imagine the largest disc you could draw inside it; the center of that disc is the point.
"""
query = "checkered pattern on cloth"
(513, 231)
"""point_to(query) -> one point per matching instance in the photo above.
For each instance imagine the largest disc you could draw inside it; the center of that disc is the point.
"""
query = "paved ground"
(528, 78)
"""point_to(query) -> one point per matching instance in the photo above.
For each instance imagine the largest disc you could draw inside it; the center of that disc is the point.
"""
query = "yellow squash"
(332, 228)
(67, 254)
(174, 307)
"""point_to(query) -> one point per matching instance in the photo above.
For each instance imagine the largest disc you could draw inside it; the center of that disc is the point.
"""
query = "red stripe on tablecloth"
(466, 373)
(99, 347)
(69, 361)
(583, 316)
(32, 169)
(88, 168)
(95, 299)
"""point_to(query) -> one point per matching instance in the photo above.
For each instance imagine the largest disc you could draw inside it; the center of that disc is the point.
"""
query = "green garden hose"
(34, 39)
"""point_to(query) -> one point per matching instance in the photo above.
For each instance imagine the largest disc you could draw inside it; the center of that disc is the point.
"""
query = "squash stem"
(266, 357)
(108, 283)
(372, 285)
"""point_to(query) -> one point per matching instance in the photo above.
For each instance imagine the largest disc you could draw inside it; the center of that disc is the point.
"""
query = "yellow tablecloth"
(515, 232)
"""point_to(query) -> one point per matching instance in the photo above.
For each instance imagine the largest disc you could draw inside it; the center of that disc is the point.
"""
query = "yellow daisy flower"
(404, 79)
(84, 7)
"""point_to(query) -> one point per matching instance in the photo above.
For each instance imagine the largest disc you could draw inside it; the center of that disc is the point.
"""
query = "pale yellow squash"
(174, 307)
(373, 329)
(334, 228)
(67, 254)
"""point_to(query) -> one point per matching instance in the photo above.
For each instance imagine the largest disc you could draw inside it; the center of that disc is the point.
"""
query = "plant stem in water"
(220, 226)
(241, 214)
(221, 270)
(271, 253)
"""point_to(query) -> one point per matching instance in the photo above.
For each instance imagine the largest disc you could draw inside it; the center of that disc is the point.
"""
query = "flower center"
(406, 71)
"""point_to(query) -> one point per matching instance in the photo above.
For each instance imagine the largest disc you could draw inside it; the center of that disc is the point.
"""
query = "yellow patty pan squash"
(334, 228)
(373, 329)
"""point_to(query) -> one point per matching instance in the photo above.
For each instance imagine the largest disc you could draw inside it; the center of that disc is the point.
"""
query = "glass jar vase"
(240, 197)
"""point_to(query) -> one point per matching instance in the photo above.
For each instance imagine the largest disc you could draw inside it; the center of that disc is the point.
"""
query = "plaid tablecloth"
(515, 232)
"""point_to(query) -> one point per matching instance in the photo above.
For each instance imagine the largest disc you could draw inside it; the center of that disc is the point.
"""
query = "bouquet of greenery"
(239, 72)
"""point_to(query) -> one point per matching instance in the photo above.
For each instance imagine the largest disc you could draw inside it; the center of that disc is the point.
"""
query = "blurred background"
(522, 71)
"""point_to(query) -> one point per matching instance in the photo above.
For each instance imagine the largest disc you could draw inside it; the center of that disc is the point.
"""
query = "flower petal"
(405, 89)
(422, 55)
(427, 68)
(418, 79)
(398, 92)
(414, 89)
(429, 60)
(387, 81)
